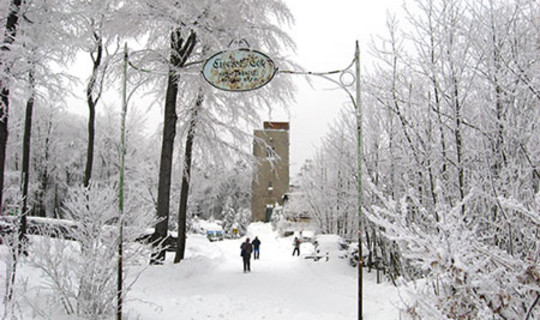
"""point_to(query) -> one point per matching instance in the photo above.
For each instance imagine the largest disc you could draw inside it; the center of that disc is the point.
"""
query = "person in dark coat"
(247, 248)
(256, 244)
(296, 244)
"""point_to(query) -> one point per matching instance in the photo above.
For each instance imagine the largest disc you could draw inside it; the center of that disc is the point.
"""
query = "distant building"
(271, 170)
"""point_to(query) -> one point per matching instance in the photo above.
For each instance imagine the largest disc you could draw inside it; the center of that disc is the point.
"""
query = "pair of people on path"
(246, 249)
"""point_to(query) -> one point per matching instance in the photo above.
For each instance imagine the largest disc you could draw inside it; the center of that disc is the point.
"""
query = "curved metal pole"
(358, 106)
(326, 75)
(120, 279)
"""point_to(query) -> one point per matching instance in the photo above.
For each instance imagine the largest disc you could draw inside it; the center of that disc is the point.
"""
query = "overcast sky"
(325, 33)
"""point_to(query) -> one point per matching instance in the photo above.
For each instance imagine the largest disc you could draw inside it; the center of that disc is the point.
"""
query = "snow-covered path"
(210, 284)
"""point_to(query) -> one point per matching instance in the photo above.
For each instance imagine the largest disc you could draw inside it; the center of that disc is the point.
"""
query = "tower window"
(270, 153)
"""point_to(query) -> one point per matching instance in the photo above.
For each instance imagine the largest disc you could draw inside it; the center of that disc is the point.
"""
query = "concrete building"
(271, 170)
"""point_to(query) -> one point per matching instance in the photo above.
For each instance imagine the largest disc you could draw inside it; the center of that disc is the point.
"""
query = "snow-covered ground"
(210, 284)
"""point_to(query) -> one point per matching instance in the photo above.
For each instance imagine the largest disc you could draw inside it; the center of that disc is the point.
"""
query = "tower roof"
(276, 125)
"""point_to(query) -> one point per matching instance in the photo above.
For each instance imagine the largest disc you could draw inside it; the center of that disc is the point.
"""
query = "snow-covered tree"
(229, 218)
(455, 183)
(278, 219)
(450, 169)
(9, 30)
(81, 272)
(242, 221)
(328, 182)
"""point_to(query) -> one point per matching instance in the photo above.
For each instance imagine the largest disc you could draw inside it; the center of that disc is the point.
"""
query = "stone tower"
(271, 170)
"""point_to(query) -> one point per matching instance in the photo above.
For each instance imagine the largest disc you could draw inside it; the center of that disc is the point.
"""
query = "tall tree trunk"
(459, 143)
(9, 37)
(40, 208)
(93, 94)
(457, 102)
(25, 169)
(436, 108)
(164, 184)
(186, 175)
(180, 52)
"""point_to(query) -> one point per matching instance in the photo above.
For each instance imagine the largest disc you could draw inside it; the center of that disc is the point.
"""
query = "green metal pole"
(121, 187)
(359, 159)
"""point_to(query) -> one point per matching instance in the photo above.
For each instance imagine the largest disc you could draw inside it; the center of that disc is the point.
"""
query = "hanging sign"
(239, 70)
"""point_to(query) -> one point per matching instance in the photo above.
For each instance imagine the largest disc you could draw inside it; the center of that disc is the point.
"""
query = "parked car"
(214, 235)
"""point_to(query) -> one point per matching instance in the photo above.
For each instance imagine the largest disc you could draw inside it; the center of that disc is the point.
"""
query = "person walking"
(247, 248)
(296, 244)
(256, 244)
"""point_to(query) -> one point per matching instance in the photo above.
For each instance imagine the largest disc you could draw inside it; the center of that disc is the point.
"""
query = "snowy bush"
(465, 276)
(276, 219)
(243, 218)
(12, 286)
(82, 274)
(13, 249)
(229, 218)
